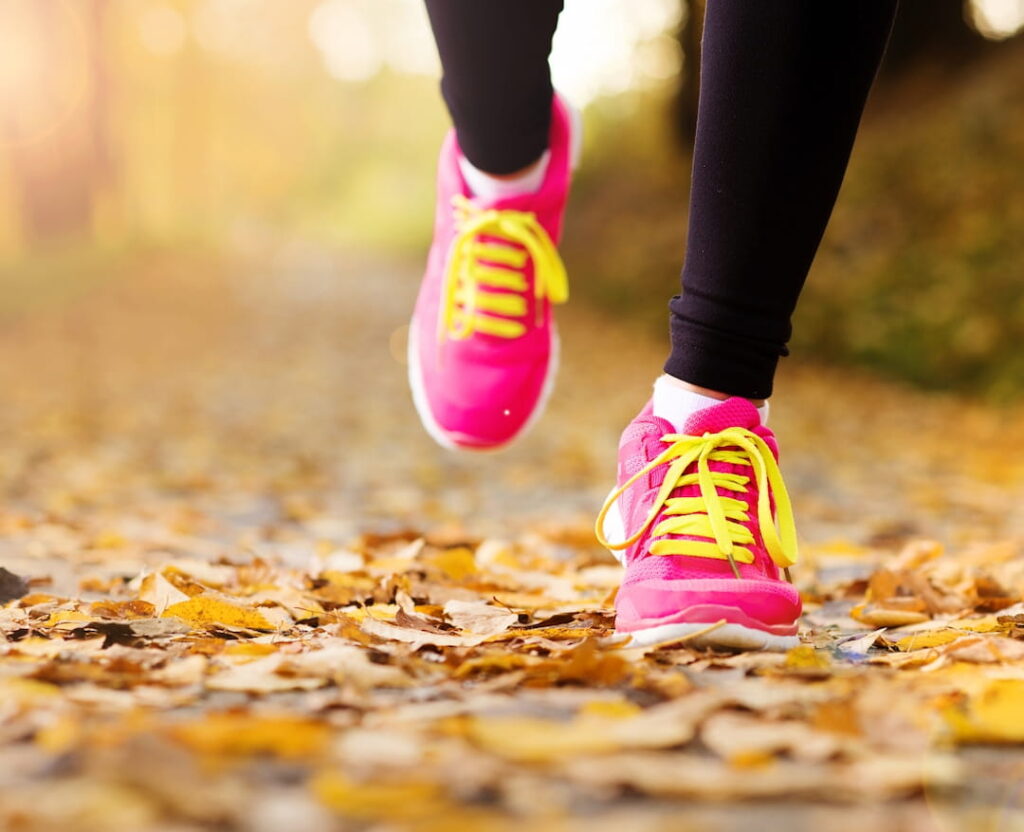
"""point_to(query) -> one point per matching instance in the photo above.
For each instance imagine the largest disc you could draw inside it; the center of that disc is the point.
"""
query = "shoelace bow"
(476, 268)
(712, 515)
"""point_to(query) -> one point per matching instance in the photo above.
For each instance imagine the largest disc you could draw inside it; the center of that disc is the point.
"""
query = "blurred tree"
(931, 34)
(103, 164)
(57, 131)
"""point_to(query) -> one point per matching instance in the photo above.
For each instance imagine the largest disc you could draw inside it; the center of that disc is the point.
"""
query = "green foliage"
(921, 273)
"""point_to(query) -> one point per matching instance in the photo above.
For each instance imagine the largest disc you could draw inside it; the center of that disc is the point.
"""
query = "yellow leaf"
(240, 734)
(61, 735)
(552, 633)
(347, 580)
(206, 611)
(881, 617)
(382, 612)
(390, 566)
(62, 616)
(497, 553)
(249, 648)
(26, 691)
(806, 657)
(994, 715)
(493, 662)
(540, 740)
(108, 539)
(613, 709)
(456, 564)
(751, 759)
(931, 638)
(528, 601)
(160, 592)
(385, 801)
(34, 598)
(985, 624)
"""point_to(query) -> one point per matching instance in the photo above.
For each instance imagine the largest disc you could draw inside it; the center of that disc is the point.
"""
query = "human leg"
(496, 82)
(700, 516)
(783, 86)
(483, 349)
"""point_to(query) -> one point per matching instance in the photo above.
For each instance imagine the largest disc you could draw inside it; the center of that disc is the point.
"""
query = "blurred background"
(213, 221)
(239, 129)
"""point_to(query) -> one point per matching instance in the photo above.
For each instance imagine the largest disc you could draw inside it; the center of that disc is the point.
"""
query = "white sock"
(676, 405)
(488, 187)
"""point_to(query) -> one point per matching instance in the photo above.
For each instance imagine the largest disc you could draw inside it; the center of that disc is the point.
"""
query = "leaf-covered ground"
(256, 597)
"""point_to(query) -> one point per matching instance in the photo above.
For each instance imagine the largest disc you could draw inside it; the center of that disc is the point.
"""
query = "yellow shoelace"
(476, 266)
(712, 515)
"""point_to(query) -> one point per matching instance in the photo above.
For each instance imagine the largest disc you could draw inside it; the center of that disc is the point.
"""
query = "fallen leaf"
(12, 586)
(595, 730)
(399, 801)
(479, 617)
(160, 592)
(243, 734)
(734, 736)
(208, 611)
(417, 638)
(995, 715)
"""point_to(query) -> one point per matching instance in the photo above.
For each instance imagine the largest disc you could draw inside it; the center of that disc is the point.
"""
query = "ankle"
(676, 400)
(705, 391)
(491, 186)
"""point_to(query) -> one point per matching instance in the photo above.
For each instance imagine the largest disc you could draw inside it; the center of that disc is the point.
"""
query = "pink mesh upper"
(482, 391)
(643, 595)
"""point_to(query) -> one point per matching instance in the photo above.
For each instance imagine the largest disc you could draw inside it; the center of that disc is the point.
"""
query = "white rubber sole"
(443, 437)
(729, 636)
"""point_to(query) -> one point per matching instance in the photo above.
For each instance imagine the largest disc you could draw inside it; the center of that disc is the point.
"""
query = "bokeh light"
(44, 68)
(602, 47)
(162, 29)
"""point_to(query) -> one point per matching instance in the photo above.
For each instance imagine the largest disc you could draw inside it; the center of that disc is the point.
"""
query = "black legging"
(783, 86)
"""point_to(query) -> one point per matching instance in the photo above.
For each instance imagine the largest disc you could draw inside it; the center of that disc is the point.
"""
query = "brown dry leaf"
(686, 776)
(271, 667)
(12, 586)
(741, 738)
(346, 664)
(160, 592)
(600, 728)
(479, 617)
(494, 662)
(417, 638)
(861, 644)
(267, 675)
(122, 609)
(985, 649)
(188, 670)
(588, 663)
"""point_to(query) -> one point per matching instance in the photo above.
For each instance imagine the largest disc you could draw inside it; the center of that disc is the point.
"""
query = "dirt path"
(255, 417)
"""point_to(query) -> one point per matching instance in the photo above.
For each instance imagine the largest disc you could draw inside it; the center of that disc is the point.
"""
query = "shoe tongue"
(732, 413)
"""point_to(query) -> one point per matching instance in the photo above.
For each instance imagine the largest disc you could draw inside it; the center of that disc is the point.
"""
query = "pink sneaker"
(693, 520)
(483, 349)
